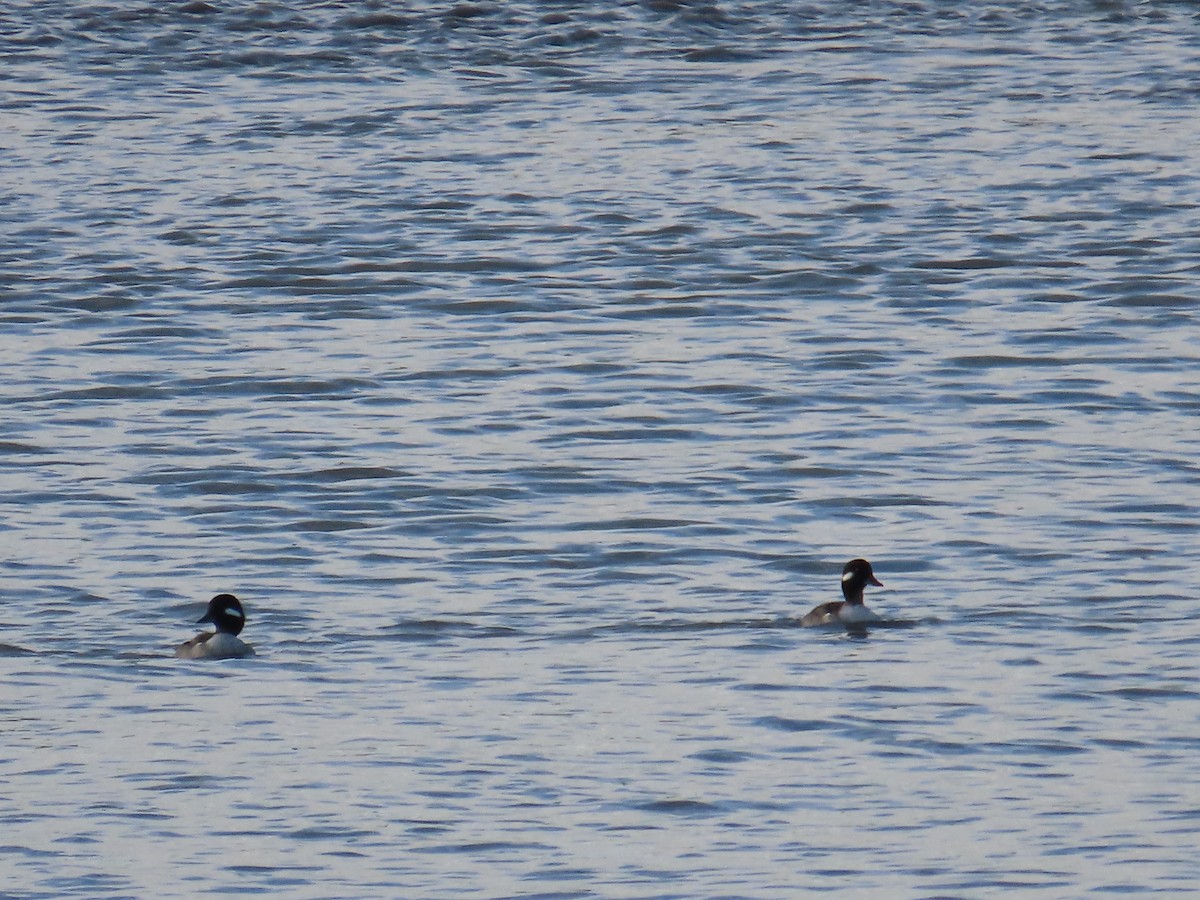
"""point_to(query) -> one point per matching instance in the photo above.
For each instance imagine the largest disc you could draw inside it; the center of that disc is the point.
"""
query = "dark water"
(528, 369)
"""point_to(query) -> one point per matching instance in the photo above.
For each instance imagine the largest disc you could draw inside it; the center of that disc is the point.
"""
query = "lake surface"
(528, 370)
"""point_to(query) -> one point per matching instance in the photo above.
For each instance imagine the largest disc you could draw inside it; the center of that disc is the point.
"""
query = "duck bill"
(875, 581)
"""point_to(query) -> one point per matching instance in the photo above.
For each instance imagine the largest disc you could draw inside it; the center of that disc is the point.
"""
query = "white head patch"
(848, 576)
(236, 613)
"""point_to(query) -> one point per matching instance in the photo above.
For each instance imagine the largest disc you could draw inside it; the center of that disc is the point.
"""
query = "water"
(528, 370)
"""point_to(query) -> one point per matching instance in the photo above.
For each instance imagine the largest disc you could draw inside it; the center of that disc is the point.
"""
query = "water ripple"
(528, 370)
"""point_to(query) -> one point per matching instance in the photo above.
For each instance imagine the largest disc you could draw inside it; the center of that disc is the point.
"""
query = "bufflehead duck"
(225, 612)
(856, 575)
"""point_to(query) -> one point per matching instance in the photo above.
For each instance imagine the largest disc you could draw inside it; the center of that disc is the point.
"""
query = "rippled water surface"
(528, 369)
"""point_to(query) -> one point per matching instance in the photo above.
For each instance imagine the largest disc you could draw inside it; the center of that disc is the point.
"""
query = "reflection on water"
(529, 371)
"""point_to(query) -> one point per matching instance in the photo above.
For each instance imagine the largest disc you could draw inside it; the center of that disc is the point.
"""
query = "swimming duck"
(856, 575)
(227, 616)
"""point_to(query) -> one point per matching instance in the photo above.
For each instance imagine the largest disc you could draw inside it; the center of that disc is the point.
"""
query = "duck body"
(856, 575)
(226, 614)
